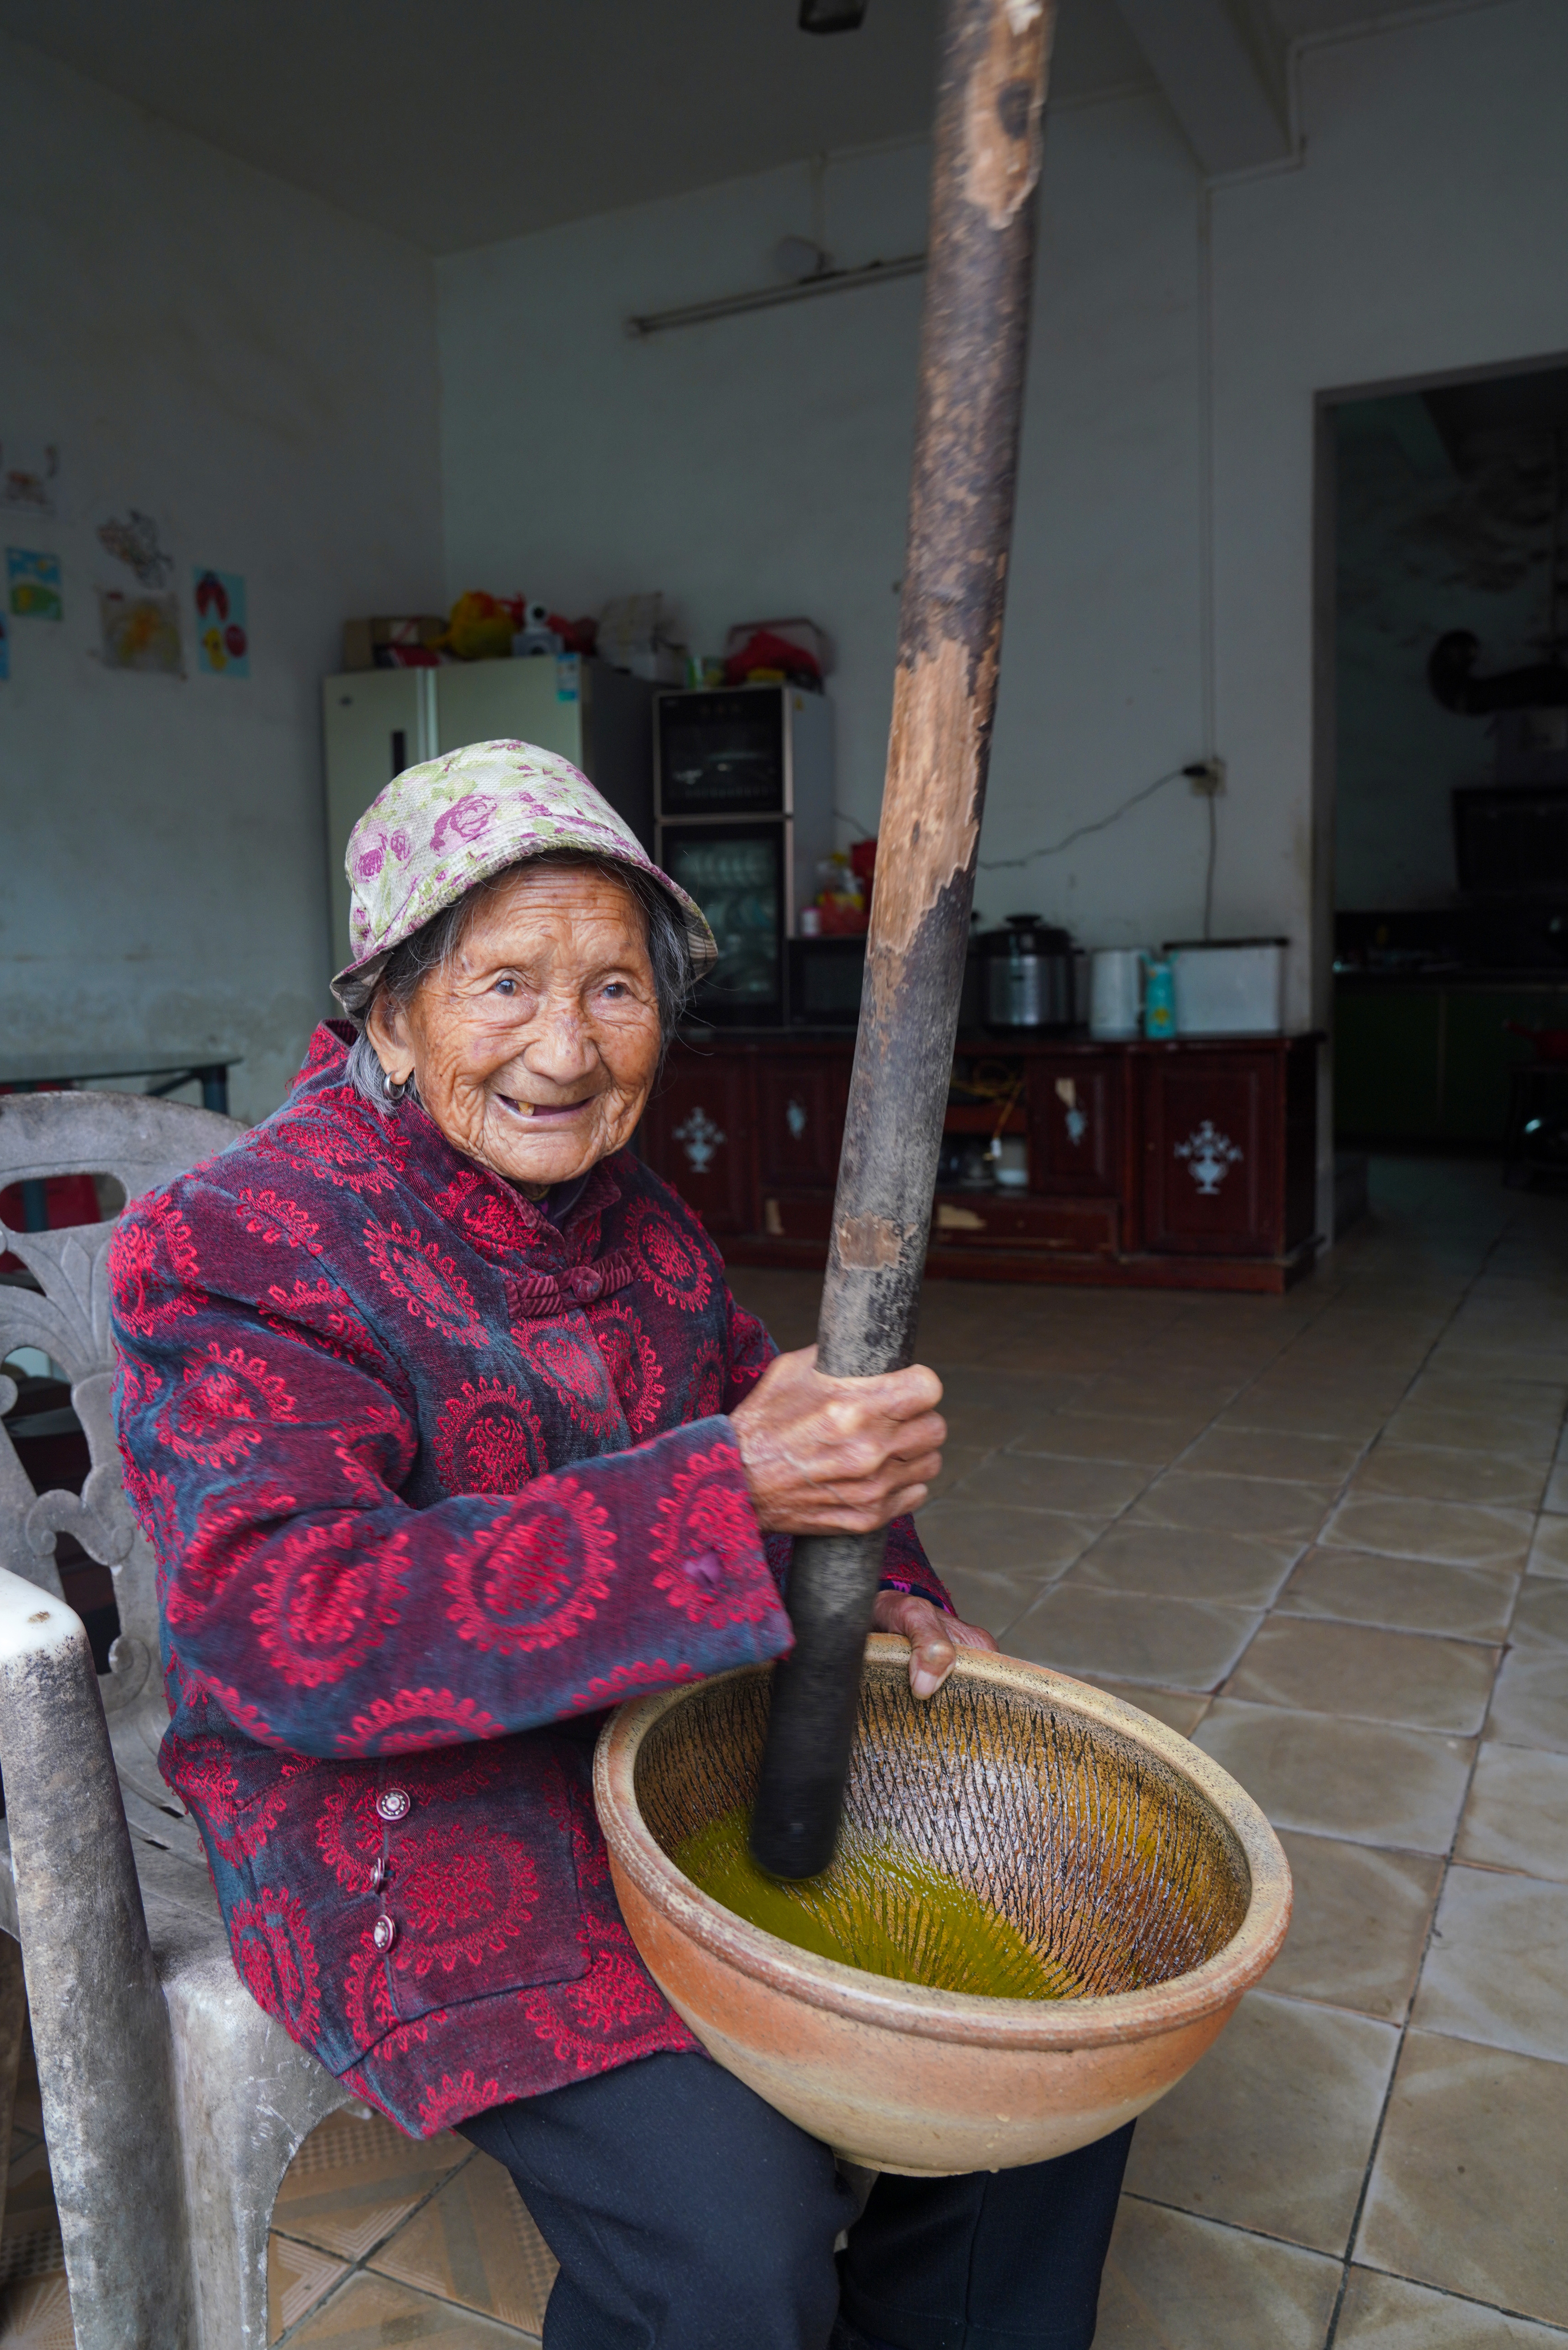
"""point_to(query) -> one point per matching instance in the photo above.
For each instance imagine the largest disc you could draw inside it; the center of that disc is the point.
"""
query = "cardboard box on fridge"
(376, 643)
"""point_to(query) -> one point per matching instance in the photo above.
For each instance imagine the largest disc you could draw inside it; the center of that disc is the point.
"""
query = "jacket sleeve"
(263, 1456)
(905, 1567)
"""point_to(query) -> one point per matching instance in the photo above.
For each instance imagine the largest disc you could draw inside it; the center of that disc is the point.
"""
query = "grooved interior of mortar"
(1092, 1847)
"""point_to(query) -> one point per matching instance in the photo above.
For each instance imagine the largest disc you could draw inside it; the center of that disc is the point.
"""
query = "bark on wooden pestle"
(990, 95)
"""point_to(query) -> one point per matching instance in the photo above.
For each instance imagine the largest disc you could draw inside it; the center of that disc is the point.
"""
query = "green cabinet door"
(1430, 1065)
(1388, 1064)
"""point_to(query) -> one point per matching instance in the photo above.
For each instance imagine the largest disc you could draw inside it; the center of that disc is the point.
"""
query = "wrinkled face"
(534, 1049)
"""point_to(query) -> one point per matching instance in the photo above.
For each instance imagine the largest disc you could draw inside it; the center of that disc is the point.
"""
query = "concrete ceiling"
(458, 127)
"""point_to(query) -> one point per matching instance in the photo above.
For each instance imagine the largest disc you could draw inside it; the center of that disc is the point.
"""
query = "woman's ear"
(386, 1026)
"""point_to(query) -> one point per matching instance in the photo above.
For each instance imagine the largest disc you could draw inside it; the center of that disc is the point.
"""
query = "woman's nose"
(559, 1047)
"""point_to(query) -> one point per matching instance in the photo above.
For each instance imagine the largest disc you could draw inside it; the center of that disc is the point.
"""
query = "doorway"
(1443, 752)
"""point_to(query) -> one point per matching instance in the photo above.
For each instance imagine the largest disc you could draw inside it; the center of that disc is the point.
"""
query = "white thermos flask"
(1115, 991)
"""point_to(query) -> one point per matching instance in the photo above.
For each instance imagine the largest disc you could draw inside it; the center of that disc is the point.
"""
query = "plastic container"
(1228, 987)
(1010, 1163)
(1158, 998)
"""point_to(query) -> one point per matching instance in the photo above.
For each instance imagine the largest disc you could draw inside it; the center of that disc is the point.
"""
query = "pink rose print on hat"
(438, 829)
(467, 817)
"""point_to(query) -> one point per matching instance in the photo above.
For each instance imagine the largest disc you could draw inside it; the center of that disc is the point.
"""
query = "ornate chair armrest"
(100, 2026)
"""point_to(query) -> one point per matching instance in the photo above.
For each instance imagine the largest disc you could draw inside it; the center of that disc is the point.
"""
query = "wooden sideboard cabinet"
(1182, 1165)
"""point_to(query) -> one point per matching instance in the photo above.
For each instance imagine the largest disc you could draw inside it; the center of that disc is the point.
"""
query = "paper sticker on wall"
(29, 475)
(33, 584)
(136, 540)
(222, 639)
(140, 632)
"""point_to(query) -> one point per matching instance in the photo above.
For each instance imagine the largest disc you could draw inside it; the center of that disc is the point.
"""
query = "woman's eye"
(506, 987)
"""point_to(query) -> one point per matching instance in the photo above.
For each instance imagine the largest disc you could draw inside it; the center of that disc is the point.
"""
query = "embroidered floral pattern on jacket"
(632, 1359)
(348, 1146)
(488, 1440)
(273, 1218)
(452, 2101)
(569, 1360)
(276, 1955)
(426, 1478)
(428, 1282)
(152, 1260)
(214, 1417)
(324, 1604)
(462, 1894)
(674, 1269)
(413, 1719)
(705, 1530)
(320, 1311)
(537, 1583)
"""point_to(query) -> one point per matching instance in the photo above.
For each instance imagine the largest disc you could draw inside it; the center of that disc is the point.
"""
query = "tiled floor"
(1327, 1536)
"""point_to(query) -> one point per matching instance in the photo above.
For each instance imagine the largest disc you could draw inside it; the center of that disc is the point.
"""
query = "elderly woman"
(449, 1435)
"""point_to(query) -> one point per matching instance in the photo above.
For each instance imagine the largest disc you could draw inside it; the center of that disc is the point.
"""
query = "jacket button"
(383, 1933)
(394, 1804)
(705, 1568)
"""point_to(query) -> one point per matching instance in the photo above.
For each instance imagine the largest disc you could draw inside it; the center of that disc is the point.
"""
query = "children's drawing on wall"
(29, 475)
(33, 584)
(223, 641)
(140, 632)
(136, 539)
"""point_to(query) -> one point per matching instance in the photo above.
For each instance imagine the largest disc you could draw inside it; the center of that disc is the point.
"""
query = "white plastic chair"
(173, 2104)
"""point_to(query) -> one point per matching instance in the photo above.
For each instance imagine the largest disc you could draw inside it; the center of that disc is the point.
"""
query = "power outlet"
(1207, 777)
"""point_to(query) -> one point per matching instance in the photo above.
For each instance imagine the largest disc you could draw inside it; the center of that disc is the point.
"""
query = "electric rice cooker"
(1028, 980)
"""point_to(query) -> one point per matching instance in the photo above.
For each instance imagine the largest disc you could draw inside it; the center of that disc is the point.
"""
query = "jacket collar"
(492, 1216)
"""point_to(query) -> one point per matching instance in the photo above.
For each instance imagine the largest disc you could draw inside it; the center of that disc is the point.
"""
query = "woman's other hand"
(934, 1638)
(826, 1456)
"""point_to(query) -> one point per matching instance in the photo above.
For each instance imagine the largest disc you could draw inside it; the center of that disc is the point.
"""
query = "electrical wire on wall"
(1082, 831)
(1207, 776)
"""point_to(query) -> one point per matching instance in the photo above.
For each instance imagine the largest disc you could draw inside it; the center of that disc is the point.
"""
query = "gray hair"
(403, 970)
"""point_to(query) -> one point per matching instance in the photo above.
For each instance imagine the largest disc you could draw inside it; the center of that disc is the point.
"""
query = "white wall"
(259, 370)
(755, 466)
(760, 464)
(761, 461)
(1420, 234)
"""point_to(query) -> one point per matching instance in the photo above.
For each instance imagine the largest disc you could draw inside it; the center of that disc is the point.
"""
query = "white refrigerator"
(378, 721)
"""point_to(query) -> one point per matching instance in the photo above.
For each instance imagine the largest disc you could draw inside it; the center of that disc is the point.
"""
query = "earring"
(394, 1090)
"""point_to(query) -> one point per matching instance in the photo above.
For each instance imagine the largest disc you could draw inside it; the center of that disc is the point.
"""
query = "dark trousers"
(688, 2215)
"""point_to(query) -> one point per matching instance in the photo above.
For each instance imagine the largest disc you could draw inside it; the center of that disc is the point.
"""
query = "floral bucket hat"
(438, 830)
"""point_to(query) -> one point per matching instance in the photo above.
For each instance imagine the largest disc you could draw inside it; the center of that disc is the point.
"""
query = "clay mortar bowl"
(1108, 1840)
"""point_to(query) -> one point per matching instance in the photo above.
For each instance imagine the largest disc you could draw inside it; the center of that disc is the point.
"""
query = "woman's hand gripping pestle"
(825, 1455)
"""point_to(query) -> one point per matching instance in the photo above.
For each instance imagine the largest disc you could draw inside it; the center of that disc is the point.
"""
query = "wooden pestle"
(991, 94)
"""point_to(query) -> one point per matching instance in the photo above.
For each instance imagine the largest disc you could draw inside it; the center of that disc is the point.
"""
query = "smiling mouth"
(546, 1113)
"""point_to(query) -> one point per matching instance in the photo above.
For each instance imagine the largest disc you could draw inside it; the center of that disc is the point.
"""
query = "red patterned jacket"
(432, 1484)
